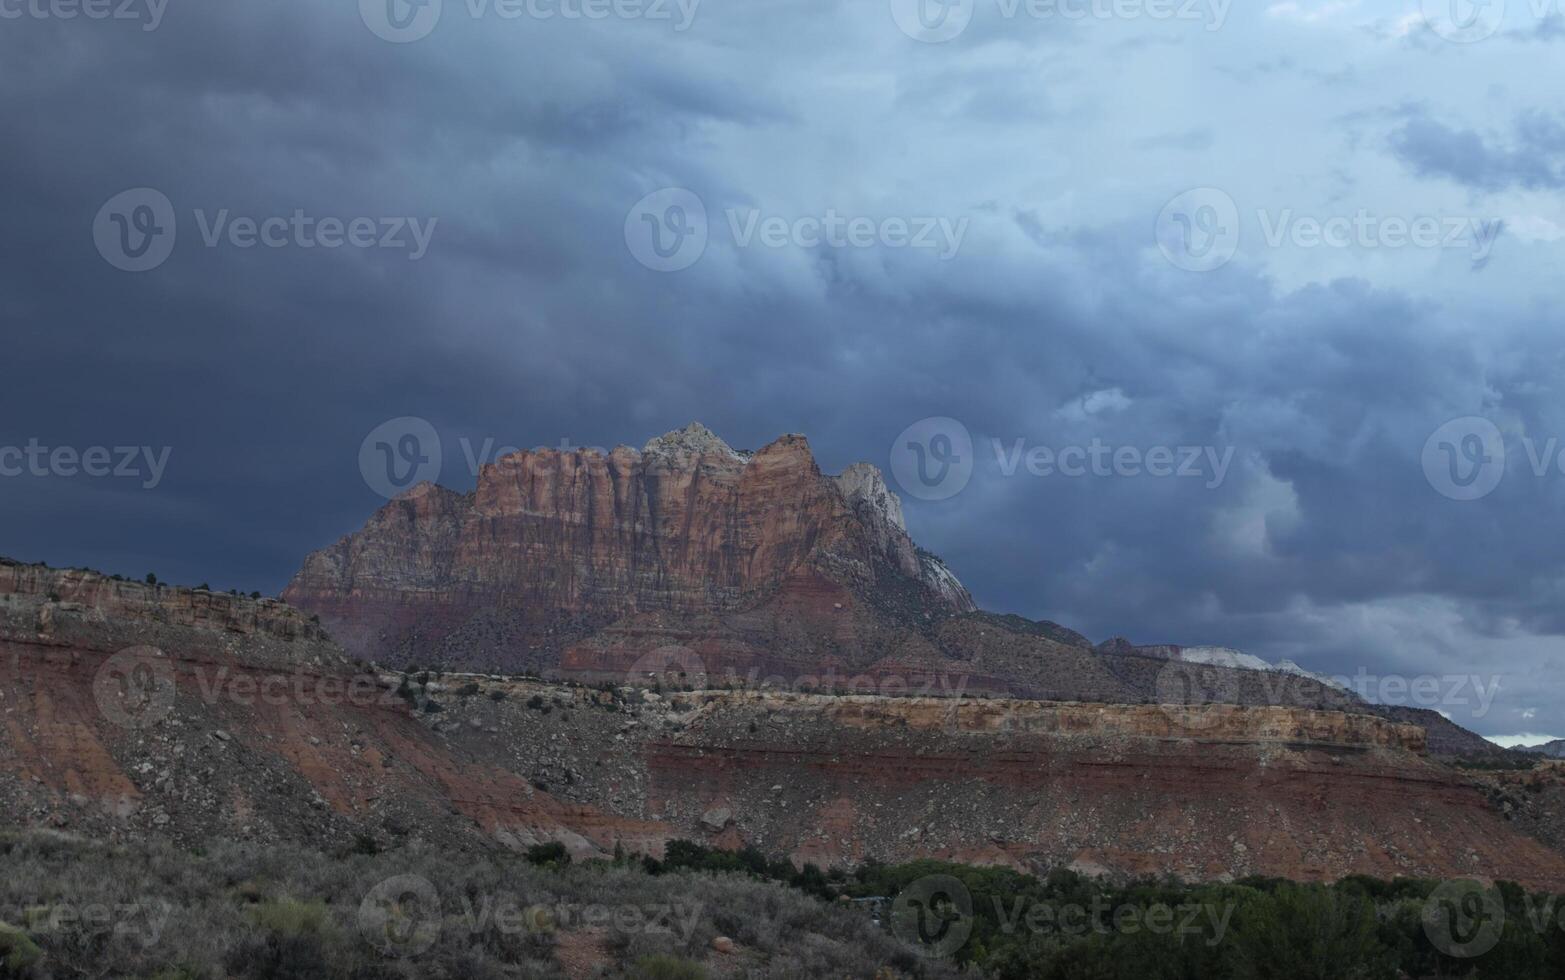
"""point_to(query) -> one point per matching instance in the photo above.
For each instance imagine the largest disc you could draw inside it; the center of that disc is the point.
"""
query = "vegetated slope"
(246, 910)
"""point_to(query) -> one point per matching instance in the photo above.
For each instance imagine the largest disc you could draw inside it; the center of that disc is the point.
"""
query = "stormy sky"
(1195, 322)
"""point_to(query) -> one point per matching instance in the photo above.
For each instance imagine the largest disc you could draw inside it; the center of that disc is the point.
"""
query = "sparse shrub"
(291, 917)
(19, 955)
(550, 855)
(664, 967)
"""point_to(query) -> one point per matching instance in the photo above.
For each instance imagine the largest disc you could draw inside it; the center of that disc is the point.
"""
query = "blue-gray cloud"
(1057, 323)
(1533, 158)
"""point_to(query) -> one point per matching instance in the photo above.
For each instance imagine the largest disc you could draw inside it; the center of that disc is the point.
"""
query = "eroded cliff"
(553, 546)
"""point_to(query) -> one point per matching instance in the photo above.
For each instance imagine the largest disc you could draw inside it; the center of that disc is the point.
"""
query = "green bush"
(291, 917)
(18, 953)
(662, 967)
(550, 855)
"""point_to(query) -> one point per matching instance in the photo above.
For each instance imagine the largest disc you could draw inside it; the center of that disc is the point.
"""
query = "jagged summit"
(550, 548)
(693, 439)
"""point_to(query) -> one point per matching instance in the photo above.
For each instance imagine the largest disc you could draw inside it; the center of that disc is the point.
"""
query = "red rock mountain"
(686, 538)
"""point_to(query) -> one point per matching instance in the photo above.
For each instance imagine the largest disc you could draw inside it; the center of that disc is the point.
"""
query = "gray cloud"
(530, 322)
(1533, 158)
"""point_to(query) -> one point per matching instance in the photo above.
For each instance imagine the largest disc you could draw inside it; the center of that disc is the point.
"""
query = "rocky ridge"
(247, 724)
(552, 547)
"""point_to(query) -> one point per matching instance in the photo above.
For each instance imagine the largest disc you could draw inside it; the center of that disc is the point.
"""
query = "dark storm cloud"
(1532, 158)
(529, 322)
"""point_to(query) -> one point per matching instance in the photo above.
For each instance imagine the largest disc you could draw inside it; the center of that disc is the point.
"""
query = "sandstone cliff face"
(75, 605)
(552, 545)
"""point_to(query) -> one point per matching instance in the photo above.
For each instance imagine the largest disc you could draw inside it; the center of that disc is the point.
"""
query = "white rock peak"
(864, 481)
(694, 439)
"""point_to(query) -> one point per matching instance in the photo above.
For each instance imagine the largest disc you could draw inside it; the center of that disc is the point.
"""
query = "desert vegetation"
(71, 907)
